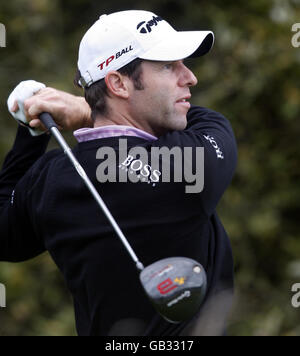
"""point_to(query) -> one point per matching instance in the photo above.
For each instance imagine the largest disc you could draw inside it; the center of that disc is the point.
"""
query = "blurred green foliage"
(252, 77)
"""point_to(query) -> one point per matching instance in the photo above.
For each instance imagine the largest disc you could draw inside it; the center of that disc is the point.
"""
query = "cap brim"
(180, 46)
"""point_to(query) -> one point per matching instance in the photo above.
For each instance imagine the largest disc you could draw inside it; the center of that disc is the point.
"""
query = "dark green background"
(252, 76)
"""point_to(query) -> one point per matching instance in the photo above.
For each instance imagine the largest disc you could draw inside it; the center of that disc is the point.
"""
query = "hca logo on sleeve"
(2, 35)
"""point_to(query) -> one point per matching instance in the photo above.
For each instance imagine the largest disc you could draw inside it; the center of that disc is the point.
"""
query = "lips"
(184, 99)
(183, 102)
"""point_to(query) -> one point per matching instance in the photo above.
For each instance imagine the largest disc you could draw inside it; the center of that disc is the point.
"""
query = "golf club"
(175, 286)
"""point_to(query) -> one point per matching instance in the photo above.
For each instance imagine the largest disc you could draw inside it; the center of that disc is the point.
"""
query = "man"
(137, 86)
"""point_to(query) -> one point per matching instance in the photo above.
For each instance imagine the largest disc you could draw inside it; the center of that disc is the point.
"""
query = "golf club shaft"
(48, 121)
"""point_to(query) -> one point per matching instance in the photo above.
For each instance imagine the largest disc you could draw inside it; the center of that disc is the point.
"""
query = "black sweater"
(46, 206)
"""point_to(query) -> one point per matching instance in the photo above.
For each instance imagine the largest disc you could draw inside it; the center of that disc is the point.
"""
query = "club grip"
(47, 120)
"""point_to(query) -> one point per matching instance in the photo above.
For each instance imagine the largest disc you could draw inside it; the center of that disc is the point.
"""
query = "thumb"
(34, 110)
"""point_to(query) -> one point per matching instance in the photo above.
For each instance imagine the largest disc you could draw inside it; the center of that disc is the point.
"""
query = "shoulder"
(45, 162)
(204, 118)
(202, 112)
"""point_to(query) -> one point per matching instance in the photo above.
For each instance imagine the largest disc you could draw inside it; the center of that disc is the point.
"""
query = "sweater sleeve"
(215, 134)
(211, 131)
(18, 241)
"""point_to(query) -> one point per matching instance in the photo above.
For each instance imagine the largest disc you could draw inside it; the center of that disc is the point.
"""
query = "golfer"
(137, 90)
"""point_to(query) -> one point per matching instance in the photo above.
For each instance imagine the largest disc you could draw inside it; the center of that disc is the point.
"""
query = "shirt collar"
(88, 134)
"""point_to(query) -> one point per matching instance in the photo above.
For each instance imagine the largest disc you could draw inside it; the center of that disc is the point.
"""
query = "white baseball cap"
(119, 38)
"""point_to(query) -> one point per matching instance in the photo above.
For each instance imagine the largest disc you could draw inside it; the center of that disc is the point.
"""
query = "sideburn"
(137, 79)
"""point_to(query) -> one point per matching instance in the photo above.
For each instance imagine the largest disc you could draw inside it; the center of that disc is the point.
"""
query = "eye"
(168, 66)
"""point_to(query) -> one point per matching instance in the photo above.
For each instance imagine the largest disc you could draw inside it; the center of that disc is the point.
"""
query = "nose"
(187, 77)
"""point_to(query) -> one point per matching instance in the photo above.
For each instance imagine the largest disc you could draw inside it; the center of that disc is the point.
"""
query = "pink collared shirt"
(88, 134)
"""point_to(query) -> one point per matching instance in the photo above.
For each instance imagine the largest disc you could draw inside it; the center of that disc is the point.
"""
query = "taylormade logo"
(160, 164)
(2, 35)
(146, 27)
(2, 296)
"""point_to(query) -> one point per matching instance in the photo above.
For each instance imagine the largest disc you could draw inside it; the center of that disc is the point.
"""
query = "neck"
(122, 119)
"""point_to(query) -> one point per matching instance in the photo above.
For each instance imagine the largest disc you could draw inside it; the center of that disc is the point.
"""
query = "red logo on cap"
(118, 55)
(110, 59)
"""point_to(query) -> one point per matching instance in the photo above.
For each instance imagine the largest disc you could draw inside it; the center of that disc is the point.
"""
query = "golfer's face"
(164, 102)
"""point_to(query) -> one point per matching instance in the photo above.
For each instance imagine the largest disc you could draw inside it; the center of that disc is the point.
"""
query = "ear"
(117, 84)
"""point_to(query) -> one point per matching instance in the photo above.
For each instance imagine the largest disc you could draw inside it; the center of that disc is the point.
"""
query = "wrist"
(86, 112)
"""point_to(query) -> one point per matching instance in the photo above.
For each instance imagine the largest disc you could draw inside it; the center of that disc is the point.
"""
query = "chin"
(181, 124)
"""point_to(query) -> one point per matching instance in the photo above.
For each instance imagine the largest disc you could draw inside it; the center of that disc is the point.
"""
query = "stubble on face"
(155, 103)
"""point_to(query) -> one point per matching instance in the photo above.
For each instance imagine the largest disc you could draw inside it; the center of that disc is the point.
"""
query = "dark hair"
(96, 94)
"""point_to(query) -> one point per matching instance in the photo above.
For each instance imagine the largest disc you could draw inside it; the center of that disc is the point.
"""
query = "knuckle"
(27, 104)
(50, 91)
(63, 110)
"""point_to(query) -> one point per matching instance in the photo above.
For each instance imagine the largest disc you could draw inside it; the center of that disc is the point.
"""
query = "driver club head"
(176, 287)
